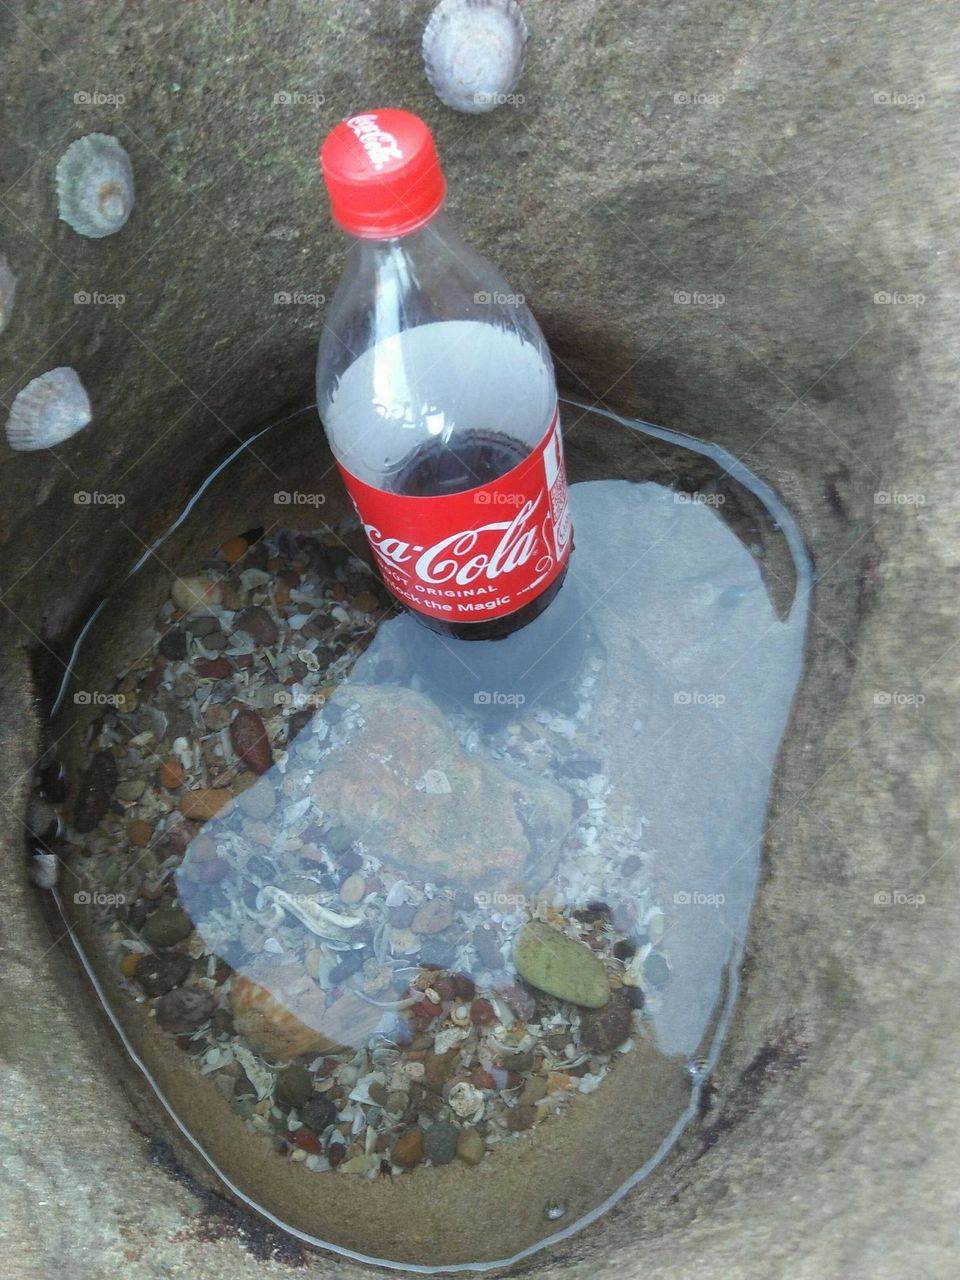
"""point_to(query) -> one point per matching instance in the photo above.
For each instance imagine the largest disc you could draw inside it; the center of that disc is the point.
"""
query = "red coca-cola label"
(479, 554)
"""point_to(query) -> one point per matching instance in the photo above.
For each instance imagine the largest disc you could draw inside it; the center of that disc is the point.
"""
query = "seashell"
(48, 410)
(8, 291)
(95, 185)
(473, 52)
(317, 918)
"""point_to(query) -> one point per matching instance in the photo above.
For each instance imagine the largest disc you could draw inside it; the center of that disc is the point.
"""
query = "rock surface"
(472, 831)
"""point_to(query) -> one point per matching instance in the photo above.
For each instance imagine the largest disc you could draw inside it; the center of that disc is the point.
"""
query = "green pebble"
(338, 839)
(440, 1142)
(167, 927)
(560, 966)
(655, 969)
(294, 1087)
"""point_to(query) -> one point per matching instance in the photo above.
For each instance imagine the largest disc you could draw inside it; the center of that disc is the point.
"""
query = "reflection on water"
(409, 902)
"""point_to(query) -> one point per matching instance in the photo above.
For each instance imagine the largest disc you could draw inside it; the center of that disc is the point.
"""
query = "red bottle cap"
(382, 174)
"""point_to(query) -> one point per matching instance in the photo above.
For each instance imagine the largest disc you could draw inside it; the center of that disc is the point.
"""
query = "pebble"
(561, 966)
(338, 839)
(167, 927)
(173, 645)
(212, 668)
(258, 625)
(258, 801)
(139, 833)
(397, 1102)
(97, 785)
(248, 735)
(204, 802)
(160, 974)
(487, 943)
(234, 549)
(602, 1030)
(401, 917)
(655, 969)
(408, 1150)
(318, 1112)
(366, 602)
(184, 1010)
(520, 1118)
(294, 1087)
(440, 1142)
(172, 774)
(352, 889)
(195, 595)
(217, 716)
(433, 916)
(131, 790)
(535, 1090)
(203, 625)
(185, 686)
(470, 1146)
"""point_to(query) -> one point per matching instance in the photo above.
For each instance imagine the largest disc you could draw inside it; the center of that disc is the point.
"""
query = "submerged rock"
(469, 822)
(440, 1142)
(559, 965)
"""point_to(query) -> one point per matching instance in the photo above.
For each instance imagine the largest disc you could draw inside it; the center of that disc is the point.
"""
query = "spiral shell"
(48, 410)
(473, 52)
(8, 291)
(95, 185)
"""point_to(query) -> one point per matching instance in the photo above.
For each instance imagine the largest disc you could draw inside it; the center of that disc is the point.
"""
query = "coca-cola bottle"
(437, 392)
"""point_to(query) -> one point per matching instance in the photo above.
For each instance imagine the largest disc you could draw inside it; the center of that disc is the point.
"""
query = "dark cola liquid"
(440, 470)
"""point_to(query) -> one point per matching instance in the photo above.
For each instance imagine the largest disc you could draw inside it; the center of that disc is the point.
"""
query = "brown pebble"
(470, 1146)
(139, 833)
(204, 803)
(248, 735)
(482, 1013)
(352, 889)
(520, 1118)
(433, 916)
(172, 774)
(481, 1078)
(408, 1149)
(602, 1030)
(258, 625)
(130, 963)
(366, 602)
(234, 549)
(212, 668)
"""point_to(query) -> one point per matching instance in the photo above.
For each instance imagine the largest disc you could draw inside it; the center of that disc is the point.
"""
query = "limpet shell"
(473, 52)
(95, 185)
(48, 410)
(8, 291)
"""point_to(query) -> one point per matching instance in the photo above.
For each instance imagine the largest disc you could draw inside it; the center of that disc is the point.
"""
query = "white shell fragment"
(48, 410)
(95, 185)
(8, 291)
(473, 52)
